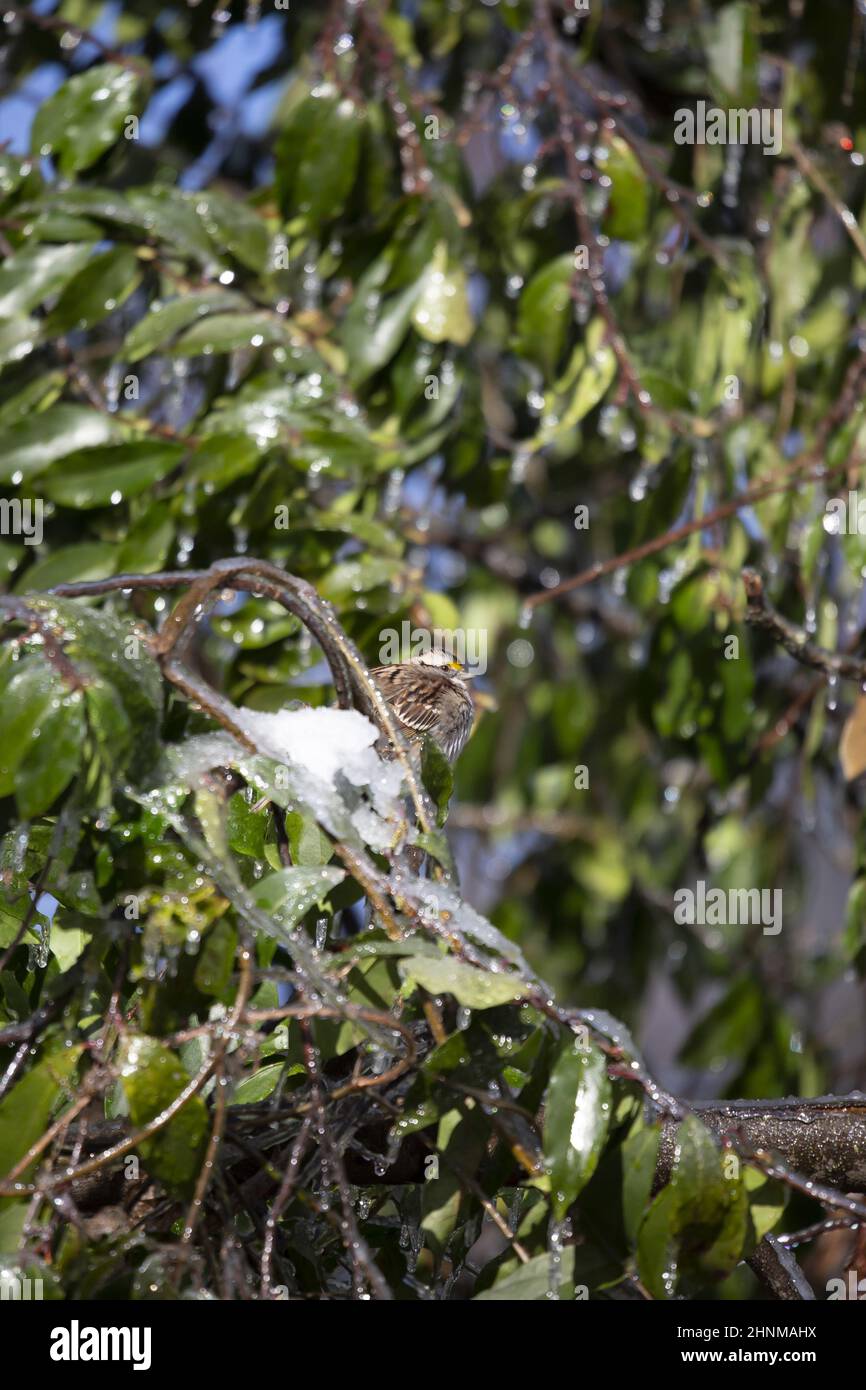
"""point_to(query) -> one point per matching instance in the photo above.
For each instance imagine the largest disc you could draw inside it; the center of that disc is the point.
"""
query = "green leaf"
(639, 1159)
(147, 542)
(729, 1030)
(228, 332)
(437, 776)
(697, 1177)
(628, 205)
(68, 943)
(152, 1077)
(462, 1137)
(27, 701)
(441, 311)
(164, 320)
(474, 989)
(353, 577)
(35, 273)
(54, 755)
(261, 1084)
(583, 384)
(18, 338)
(236, 227)
(767, 1199)
(657, 1246)
(102, 286)
(436, 843)
(213, 968)
(317, 156)
(97, 477)
(105, 646)
(373, 330)
(220, 459)
(87, 560)
(576, 1117)
(530, 1282)
(289, 894)
(544, 313)
(33, 444)
(308, 844)
(86, 116)
(732, 52)
(698, 1227)
(246, 829)
(170, 215)
(26, 1110)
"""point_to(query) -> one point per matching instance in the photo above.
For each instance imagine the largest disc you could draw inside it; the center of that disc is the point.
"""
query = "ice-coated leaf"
(530, 1282)
(576, 1118)
(170, 214)
(260, 1085)
(152, 1077)
(53, 757)
(288, 894)
(108, 647)
(442, 906)
(475, 989)
(639, 1157)
(27, 700)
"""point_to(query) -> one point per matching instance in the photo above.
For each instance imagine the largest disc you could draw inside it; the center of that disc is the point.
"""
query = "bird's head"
(445, 662)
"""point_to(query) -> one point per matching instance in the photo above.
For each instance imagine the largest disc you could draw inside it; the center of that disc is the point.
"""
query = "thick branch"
(760, 614)
(823, 1137)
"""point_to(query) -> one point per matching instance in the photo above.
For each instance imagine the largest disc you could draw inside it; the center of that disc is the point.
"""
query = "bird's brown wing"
(409, 696)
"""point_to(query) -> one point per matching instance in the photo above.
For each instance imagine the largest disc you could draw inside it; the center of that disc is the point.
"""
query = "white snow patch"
(323, 741)
(322, 750)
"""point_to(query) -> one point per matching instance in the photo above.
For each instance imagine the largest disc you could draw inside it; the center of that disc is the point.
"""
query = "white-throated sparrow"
(428, 696)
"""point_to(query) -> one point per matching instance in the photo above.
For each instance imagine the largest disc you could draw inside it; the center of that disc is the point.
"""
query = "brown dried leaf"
(852, 744)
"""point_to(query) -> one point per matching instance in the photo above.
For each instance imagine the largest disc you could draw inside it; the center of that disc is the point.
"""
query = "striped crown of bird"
(428, 695)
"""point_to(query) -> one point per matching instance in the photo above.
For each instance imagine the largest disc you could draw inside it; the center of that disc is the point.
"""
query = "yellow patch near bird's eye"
(455, 666)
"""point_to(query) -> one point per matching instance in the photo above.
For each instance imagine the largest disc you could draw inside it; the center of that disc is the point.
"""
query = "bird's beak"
(460, 670)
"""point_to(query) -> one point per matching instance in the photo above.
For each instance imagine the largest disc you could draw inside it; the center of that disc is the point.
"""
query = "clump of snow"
(324, 741)
(330, 763)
